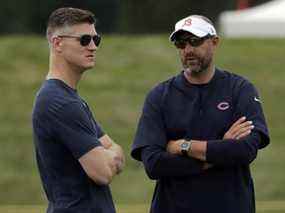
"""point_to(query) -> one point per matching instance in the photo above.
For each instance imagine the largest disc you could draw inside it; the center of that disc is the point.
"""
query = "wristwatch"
(185, 147)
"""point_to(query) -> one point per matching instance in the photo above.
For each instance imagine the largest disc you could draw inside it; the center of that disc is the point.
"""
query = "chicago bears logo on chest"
(223, 106)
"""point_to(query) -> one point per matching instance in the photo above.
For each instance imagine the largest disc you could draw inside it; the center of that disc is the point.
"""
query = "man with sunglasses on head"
(200, 130)
(76, 159)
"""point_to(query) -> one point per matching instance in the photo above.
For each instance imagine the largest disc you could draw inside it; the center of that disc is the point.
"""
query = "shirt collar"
(182, 83)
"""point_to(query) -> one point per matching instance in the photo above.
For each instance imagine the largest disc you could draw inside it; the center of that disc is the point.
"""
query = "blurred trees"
(30, 16)
(153, 16)
(114, 16)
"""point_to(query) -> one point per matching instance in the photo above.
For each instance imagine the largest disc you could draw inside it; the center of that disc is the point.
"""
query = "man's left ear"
(56, 42)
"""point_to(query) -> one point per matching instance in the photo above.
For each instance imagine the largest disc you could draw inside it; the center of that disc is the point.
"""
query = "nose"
(92, 46)
(188, 48)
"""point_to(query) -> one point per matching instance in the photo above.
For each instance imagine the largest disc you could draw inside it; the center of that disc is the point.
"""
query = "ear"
(216, 41)
(56, 43)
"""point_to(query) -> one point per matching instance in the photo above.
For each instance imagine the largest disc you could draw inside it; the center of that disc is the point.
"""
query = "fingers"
(119, 166)
(230, 133)
(242, 128)
(116, 162)
(239, 129)
(243, 134)
(238, 122)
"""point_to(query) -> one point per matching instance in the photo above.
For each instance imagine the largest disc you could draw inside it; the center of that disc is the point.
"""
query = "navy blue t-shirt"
(64, 130)
(176, 109)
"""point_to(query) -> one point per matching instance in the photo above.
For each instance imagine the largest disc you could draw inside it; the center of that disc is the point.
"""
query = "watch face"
(184, 145)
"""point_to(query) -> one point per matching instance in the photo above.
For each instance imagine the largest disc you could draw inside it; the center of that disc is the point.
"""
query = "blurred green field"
(262, 207)
(127, 67)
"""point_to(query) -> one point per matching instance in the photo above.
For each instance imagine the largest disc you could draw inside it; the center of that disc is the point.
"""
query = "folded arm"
(151, 141)
(239, 146)
(160, 164)
(109, 144)
(102, 163)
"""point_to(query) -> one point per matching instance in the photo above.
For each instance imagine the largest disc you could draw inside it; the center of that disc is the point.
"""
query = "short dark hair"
(68, 16)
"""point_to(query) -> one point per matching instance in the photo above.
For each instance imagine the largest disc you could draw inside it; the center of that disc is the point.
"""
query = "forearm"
(160, 164)
(100, 164)
(233, 152)
(226, 152)
(198, 150)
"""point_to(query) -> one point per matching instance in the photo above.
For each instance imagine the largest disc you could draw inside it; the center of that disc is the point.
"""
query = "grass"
(127, 67)
(262, 207)
(38, 209)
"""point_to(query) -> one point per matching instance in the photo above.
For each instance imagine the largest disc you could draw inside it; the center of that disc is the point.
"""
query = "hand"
(115, 162)
(239, 129)
(106, 141)
(110, 145)
(120, 156)
(120, 163)
(173, 147)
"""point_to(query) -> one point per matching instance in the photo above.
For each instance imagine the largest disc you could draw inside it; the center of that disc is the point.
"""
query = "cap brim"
(172, 35)
(196, 32)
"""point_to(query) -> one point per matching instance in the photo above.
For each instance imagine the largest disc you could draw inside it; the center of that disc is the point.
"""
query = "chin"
(193, 71)
(197, 70)
(88, 66)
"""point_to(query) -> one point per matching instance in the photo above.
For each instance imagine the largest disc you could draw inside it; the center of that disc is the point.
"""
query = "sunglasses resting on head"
(84, 39)
(182, 41)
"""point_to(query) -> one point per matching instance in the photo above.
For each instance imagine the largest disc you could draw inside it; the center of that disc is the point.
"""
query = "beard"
(196, 64)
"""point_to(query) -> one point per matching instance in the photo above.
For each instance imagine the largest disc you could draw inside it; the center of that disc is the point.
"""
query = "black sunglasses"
(84, 39)
(181, 42)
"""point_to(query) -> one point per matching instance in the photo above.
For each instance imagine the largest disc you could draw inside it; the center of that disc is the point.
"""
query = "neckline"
(62, 83)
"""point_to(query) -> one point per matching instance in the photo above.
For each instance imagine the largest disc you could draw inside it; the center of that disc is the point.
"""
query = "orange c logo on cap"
(187, 22)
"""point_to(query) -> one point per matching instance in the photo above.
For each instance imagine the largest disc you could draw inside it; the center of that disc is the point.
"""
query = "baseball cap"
(195, 24)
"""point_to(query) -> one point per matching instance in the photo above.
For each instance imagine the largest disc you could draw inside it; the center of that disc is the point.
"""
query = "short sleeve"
(99, 130)
(249, 104)
(76, 129)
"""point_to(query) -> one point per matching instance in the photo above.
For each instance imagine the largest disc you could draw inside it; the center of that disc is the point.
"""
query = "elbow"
(250, 148)
(151, 171)
(152, 164)
(248, 155)
(151, 174)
